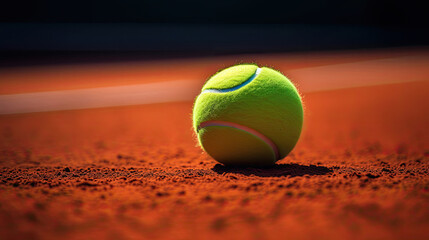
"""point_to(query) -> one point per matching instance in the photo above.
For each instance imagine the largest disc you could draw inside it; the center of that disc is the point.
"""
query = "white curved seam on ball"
(248, 130)
(257, 72)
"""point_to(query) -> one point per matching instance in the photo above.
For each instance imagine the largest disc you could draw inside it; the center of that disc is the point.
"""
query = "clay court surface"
(360, 169)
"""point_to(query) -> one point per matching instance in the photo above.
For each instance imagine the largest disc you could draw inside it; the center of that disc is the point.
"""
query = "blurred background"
(48, 31)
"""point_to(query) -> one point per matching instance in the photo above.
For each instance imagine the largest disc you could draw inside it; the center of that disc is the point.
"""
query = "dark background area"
(374, 12)
(132, 29)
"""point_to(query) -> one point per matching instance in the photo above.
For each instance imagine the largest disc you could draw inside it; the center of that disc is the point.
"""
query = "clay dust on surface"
(359, 171)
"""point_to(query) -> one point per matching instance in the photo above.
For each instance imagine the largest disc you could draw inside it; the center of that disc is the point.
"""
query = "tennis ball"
(246, 115)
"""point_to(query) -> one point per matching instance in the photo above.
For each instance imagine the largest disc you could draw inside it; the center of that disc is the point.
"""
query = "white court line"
(348, 75)
(361, 74)
(161, 92)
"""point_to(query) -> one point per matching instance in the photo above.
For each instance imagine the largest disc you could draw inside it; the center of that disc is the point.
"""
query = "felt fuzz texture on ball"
(246, 115)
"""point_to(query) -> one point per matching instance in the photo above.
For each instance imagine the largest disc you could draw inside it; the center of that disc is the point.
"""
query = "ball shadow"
(278, 170)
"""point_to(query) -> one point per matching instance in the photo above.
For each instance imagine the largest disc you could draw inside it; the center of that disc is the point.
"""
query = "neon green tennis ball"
(246, 115)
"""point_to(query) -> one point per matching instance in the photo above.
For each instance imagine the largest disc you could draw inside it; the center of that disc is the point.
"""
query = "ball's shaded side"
(246, 115)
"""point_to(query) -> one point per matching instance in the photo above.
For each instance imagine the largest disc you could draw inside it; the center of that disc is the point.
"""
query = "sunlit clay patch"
(245, 129)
